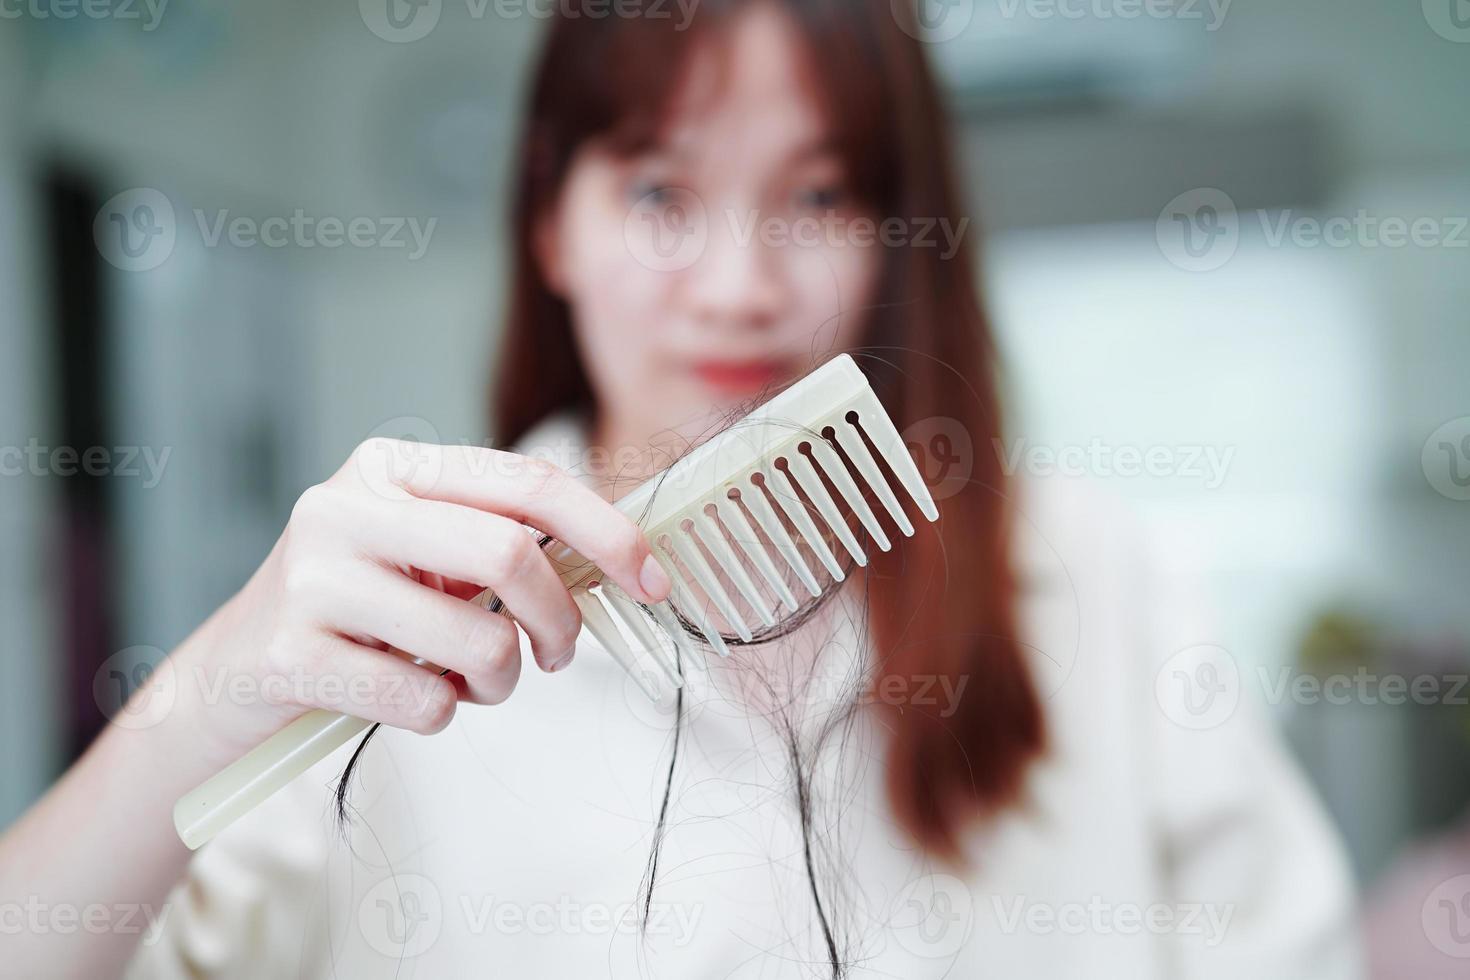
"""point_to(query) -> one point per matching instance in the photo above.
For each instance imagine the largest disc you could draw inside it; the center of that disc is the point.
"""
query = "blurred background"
(1225, 245)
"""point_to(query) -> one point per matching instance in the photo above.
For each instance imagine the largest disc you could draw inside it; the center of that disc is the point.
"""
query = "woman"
(958, 765)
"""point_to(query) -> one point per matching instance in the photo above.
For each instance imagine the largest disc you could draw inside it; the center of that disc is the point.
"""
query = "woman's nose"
(737, 282)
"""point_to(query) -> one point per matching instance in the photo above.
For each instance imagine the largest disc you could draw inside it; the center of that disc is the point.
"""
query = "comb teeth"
(852, 443)
(816, 491)
(729, 561)
(750, 546)
(881, 430)
(836, 471)
(632, 617)
(775, 470)
(784, 493)
(766, 517)
(694, 610)
(595, 620)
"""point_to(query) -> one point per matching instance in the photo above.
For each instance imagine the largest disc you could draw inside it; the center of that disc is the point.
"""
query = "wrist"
(197, 712)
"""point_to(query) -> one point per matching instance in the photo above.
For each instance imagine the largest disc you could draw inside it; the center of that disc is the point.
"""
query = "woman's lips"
(740, 377)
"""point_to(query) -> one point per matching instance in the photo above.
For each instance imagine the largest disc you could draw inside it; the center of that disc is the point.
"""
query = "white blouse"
(1164, 834)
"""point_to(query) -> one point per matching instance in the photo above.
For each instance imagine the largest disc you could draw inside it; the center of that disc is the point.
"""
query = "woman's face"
(720, 262)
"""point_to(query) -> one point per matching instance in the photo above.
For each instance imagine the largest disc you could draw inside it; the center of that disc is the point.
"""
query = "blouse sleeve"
(252, 901)
(1247, 845)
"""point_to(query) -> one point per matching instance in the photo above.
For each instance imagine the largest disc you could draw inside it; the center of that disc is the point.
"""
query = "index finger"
(539, 493)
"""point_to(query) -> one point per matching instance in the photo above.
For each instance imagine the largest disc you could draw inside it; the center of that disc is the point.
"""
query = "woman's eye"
(651, 193)
(820, 198)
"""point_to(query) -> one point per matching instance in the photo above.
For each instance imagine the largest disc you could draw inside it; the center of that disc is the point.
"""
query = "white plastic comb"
(705, 510)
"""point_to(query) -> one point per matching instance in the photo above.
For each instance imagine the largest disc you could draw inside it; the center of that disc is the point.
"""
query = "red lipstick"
(741, 377)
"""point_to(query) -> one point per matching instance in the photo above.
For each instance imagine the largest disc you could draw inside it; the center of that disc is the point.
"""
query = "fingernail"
(564, 661)
(654, 580)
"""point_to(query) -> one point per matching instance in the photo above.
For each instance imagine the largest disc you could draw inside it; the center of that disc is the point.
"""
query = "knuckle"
(375, 448)
(475, 459)
(311, 507)
(313, 658)
(485, 635)
(542, 476)
(511, 556)
(570, 629)
(498, 684)
(302, 579)
(495, 659)
(383, 463)
(436, 707)
(278, 656)
(288, 660)
(502, 658)
(628, 540)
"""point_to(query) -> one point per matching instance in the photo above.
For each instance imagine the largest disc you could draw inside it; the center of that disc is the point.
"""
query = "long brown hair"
(943, 605)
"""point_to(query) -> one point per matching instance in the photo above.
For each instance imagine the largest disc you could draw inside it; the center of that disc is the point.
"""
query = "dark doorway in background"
(84, 543)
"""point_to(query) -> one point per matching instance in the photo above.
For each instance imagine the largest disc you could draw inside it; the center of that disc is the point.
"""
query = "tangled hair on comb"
(801, 761)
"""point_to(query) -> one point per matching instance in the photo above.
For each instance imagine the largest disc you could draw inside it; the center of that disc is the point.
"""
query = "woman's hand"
(383, 554)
